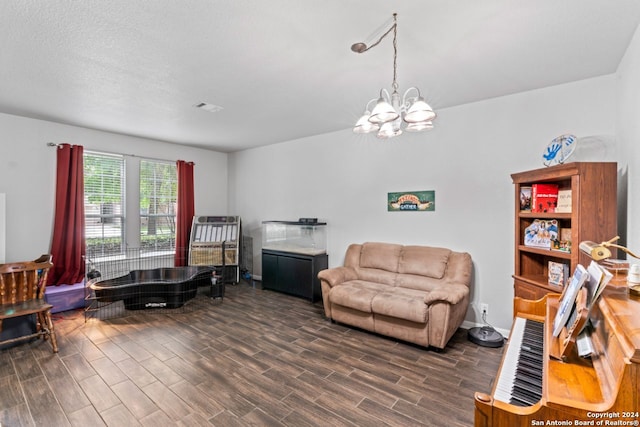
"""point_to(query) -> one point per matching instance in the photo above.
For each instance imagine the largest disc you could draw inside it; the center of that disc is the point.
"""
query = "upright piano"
(533, 388)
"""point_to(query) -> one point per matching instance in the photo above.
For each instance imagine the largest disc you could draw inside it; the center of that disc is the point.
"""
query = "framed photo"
(525, 198)
(541, 233)
(412, 201)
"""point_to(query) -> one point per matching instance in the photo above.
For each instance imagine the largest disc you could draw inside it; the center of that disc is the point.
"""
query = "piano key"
(520, 381)
(529, 387)
(528, 398)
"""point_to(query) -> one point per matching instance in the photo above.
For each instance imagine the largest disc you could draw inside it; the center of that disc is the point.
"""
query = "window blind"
(158, 196)
(104, 204)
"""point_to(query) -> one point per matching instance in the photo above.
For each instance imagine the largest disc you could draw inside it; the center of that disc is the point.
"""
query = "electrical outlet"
(484, 309)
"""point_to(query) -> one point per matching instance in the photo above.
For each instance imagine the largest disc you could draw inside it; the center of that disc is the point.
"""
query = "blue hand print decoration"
(552, 151)
(559, 150)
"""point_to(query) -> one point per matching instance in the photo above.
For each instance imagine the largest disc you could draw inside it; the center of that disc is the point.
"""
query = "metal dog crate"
(216, 241)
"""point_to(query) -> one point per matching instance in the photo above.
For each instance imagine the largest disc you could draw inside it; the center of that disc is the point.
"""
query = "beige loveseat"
(418, 294)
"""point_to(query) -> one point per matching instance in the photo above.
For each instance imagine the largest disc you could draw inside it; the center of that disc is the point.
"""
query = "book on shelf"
(568, 298)
(544, 197)
(564, 201)
(558, 273)
(541, 233)
(525, 198)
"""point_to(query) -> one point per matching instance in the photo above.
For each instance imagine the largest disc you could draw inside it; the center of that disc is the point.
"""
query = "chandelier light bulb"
(419, 111)
(419, 126)
(383, 112)
(364, 125)
(390, 129)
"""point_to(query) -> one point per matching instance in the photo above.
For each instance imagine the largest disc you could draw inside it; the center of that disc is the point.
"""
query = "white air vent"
(208, 107)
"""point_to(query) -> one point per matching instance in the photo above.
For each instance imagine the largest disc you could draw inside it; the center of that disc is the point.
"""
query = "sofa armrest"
(337, 275)
(451, 293)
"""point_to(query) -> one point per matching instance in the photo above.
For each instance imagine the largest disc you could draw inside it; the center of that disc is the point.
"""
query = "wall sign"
(411, 201)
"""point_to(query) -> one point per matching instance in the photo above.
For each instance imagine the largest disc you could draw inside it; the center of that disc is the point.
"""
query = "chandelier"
(390, 110)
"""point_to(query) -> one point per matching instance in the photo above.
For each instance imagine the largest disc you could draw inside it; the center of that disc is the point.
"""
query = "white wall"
(467, 159)
(628, 135)
(27, 176)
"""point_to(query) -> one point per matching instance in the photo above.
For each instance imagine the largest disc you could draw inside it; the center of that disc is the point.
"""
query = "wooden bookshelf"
(593, 217)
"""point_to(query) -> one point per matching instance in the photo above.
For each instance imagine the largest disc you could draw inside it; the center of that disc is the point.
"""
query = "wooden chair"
(22, 286)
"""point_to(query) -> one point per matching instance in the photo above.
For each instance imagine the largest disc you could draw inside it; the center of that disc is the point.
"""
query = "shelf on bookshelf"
(545, 252)
(539, 280)
(544, 215)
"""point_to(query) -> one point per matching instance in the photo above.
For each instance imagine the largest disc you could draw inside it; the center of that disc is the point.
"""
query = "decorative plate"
(559, 150)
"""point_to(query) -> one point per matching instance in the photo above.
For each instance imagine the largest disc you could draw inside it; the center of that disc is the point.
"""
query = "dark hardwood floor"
(256, 358)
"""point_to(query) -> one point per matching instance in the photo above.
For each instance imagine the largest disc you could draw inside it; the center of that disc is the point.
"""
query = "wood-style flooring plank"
(43, 405)
(134, 399)
(119, 416)
(136, 372)
(99, 393)
(171, 404)
(109, 371)
(87, 416)
(17, 415)
(68, 393)
(11, 391)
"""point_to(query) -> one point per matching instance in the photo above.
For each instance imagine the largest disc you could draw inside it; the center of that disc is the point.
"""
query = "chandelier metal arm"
(408, 100)
(406, 92)
(405, 102)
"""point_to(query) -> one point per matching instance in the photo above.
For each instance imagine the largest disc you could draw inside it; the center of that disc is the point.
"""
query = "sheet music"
(580, 275)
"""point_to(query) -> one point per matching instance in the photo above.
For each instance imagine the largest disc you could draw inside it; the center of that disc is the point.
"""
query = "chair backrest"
(23, 281)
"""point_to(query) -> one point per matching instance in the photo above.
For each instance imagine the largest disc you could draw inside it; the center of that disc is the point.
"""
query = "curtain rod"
(53, 144)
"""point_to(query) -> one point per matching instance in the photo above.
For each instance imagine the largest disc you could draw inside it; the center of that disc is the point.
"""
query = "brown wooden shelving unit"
(593, 217)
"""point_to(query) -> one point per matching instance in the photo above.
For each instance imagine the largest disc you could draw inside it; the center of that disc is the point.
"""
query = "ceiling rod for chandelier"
(390, 110)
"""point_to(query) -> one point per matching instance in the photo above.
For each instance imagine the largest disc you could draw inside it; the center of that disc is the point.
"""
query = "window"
(158, 194)
(113, 182)
(104, 204)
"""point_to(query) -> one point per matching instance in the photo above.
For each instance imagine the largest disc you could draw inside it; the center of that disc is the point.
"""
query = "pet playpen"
(136, 280)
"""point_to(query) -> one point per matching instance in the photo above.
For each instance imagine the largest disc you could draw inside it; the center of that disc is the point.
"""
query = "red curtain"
(68, 242)
(186, 211)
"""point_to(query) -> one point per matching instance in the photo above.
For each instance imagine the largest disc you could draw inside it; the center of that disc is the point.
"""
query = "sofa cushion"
(423, 261)
(420, 283)
(383, 256)
(356, 294)
(402, 305)
(375, 275)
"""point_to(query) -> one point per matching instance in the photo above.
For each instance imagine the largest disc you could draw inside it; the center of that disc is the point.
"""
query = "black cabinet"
(293, 273)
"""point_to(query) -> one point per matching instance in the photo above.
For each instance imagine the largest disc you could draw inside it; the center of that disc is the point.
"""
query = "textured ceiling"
(283, 69)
